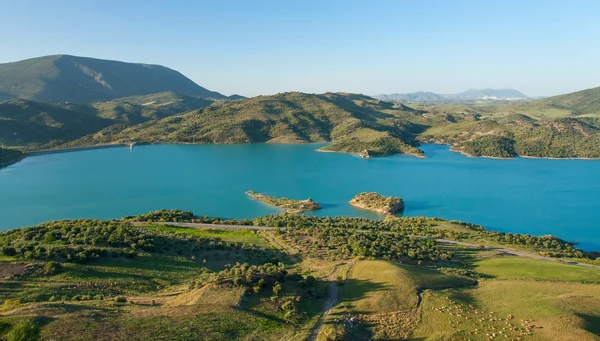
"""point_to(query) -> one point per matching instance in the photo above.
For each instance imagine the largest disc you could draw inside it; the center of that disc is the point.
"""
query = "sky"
(540, 47)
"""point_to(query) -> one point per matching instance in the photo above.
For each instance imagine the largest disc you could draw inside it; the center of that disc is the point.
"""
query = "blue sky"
(543, 47)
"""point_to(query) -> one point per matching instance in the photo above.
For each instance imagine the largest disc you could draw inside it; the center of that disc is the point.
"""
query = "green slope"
(585, 102)
(63, 78)
(34, 124)
(138, 109)
(513, 135)
(580, 103)
(353, 122)
(25, 122)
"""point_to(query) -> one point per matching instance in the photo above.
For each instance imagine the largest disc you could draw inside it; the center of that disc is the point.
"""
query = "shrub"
(120, 299)
(52, 268)
(10, 304)
(24, 331)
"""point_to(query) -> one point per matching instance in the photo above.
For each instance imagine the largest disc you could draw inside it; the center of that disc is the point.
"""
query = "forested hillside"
(353, 123)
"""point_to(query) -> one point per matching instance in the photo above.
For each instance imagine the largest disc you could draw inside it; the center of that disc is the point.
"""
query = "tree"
(276, 289)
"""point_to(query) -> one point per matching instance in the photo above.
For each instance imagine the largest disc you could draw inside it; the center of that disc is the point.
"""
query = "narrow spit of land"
(289, 205)
(439, 240)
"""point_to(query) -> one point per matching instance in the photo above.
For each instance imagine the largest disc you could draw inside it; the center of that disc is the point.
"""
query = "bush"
(120, 299)
(52, 268)
(10, 304)
(24, 331)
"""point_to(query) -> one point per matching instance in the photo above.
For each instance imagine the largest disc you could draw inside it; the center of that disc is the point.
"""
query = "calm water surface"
(535, 196)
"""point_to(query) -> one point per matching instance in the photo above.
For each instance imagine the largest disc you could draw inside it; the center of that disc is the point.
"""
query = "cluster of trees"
(164, 216)
(489, 145)
(340, 243)
(402, 226)
(86, 240)
(286, 289)
(8, 156)
(549, 245)
(253, 277)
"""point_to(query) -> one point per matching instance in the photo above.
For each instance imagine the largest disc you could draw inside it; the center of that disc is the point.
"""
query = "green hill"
(585, 102)
(34, 124)
(63, 78)
(580, 103)
(363, 125)
(138, 109)
(353, 123)
(24, 122)
(513, 135)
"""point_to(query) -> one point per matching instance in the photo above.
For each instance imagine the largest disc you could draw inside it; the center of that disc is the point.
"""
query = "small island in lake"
(289, 205)
(376, 202)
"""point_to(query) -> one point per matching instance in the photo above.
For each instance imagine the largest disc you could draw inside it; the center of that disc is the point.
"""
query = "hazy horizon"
(541, 48)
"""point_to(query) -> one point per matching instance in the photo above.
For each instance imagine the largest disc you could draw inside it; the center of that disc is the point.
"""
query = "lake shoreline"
(76, 149)
(116, 145)
(519, 156)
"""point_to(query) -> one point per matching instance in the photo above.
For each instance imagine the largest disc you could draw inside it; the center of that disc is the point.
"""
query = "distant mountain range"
(64, 78)
(469, 95)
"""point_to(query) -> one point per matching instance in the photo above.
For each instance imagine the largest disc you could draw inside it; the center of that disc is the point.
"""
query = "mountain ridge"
(67, 78)
(468, 95)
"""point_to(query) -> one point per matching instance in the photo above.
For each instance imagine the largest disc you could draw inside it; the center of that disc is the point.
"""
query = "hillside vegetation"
(512, 135)
(585, 102)
(316, 279)
(353, 123)
(362, 125)
(44, 125)
(25, 122)
(64, 78)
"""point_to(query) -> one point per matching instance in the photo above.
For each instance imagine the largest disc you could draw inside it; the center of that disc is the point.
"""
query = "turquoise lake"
(534, 196)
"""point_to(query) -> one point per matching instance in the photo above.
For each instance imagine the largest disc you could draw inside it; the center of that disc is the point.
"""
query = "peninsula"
(378, 203)
(290, 205)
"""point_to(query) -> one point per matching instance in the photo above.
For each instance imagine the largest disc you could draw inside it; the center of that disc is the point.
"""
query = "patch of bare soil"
(7, 270)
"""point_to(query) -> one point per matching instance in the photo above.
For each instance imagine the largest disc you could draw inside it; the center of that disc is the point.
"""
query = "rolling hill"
(581, 103)
(64, 78)
(34, 124)
(25, 122)
(363, 125)
(584, 102)
(354, 123)
(512, 135)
